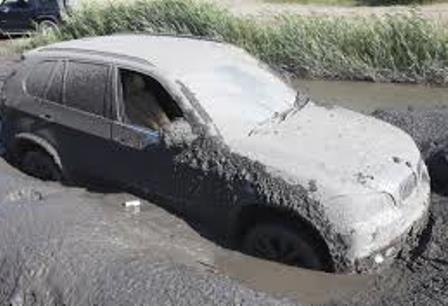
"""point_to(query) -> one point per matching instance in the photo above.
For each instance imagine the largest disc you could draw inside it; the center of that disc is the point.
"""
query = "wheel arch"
(247, 216)
(25, 141)
(51, 18)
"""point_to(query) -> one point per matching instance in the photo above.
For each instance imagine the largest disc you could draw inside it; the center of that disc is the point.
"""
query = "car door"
(85, 119)
(17, 15)
(75, 117)
(143, 160)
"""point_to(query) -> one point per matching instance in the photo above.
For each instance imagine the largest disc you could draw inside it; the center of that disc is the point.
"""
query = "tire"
(40, 165)
(46, 26)
(286, 243)
(438, 171)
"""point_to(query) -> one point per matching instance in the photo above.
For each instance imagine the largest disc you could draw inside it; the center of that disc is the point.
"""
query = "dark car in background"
(22, 16)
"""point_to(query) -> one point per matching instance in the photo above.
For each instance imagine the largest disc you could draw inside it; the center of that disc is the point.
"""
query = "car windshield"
(238, 95)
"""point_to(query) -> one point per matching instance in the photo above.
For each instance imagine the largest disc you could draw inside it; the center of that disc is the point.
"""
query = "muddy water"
(367, 97)
(301, 285)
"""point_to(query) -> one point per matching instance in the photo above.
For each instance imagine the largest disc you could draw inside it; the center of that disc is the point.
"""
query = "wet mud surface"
(70, 246)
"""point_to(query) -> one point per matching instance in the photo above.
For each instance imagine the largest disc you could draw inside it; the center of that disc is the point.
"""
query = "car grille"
(408, 186)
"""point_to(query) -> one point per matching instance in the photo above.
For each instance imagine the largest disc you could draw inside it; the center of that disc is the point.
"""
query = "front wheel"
(285, 243)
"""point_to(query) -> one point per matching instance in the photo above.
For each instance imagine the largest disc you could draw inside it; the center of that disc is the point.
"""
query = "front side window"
(54, 91)
(86, 86)
(145, 102)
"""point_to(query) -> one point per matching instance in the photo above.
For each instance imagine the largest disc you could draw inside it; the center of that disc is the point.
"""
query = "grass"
(357, 2)
(316, 2)
(393, 48)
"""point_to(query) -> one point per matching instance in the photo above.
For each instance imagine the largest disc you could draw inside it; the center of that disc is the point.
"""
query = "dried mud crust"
(243, 183)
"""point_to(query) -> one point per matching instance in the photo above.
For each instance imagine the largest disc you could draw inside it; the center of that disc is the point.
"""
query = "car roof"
(174, 54)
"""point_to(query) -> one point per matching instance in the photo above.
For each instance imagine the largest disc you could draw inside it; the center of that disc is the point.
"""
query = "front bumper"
(402, 246)
(400, 236)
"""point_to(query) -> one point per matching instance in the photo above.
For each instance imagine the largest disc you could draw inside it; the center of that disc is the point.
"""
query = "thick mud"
(69, 246)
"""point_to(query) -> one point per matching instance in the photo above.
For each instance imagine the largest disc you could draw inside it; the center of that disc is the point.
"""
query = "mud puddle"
(279, 280)
(366, 97)
(184, 245)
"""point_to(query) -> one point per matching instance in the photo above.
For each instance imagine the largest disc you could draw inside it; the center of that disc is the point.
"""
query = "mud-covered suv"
(205, 127)
(21, 16)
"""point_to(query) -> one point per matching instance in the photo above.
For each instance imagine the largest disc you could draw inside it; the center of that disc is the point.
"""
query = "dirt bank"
(262, 8)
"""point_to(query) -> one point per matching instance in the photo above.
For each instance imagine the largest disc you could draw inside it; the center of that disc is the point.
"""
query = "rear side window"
(85, 87)
(37, 81)
(54, 91)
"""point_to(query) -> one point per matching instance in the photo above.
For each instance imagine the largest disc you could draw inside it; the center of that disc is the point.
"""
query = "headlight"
(362, 220)
(360, 211)
(408, 186)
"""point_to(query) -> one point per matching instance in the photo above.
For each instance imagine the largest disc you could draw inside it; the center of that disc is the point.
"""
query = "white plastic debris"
(379, 259)
(132, 203)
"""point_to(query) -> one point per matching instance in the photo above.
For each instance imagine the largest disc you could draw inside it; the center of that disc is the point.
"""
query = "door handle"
(46, 117)
(122, 140)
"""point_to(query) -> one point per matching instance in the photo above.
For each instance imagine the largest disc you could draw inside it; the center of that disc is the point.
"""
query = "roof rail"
(186, 36)
(95, 52)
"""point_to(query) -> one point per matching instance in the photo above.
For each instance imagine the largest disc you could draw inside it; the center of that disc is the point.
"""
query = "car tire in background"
(46, 26)
(40, 165)
(284, 242)
(438, 171)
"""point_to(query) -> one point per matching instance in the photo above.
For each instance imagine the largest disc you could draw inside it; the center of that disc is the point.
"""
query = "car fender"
(41, 142)
(53, 18)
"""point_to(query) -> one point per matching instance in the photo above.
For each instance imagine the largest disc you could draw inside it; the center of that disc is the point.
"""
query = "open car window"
(144, 102)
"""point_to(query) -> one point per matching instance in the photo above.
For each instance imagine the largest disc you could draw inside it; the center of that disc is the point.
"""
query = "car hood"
(332, 151)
